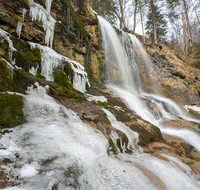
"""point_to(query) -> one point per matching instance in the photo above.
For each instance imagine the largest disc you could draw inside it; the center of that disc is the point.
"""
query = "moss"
(11, 110)
(68, 70)
(25, 57)
(79, 25)
(65, 93)
(61, 78)
(105, 119)
(112, 147)
(40, 76)
(15, 17)
(3, 76)
(21, 80)
(125, 142)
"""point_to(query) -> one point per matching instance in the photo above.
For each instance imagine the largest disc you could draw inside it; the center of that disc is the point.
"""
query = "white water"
(57, 149)
(133, 93)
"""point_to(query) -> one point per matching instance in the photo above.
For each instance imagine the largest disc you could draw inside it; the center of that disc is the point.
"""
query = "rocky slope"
(76, 37)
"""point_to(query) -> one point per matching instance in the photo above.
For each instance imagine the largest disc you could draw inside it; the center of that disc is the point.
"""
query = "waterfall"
(124, 51)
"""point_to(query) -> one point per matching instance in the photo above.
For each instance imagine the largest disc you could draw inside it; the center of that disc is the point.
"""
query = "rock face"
(177, 79)
(76, 36)
(75, 31)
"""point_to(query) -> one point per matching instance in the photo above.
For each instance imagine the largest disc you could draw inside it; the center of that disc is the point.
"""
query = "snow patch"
(28, 171)
(97, 99)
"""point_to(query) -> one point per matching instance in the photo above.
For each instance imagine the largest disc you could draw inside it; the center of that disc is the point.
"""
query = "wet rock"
(179, 74)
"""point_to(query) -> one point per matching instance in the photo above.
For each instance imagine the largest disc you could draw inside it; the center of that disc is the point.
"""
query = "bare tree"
(141, 19)
(188, 26)
(134, 15)
(184, 36)
(153, 19)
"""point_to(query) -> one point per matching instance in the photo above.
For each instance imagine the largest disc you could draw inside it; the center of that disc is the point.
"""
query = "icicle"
(51, 60)
(19, 29)
(24, 13)
(48, 6)
(38, 13)
(49, 28)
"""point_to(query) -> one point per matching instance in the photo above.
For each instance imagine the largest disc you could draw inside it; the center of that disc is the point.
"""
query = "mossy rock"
(61, 78)
(25, 57)
(21, 80)
(68, 70)
(3, 76)
(11, 107)
(65, 93)
(147, 136)
(40, 76)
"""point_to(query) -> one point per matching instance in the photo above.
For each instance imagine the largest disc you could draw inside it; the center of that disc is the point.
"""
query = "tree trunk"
(188, 27)
(195, 12)
(141, 18)
(134, 16)
(180, 37)
(154, 22)
(184, 36)
(122, 13)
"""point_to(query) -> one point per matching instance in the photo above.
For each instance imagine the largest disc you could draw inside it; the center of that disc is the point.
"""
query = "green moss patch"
(40, 76)
(68, 70)
(3, 76)
(79, 26)
(61, 78)
(11, 111)
(65, 93)
(25, 57)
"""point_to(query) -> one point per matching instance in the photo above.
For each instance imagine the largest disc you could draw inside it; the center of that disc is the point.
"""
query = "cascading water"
(56, 150)
(131, 90)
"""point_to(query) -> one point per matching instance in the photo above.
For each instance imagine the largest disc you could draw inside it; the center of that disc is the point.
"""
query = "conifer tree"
(160, 24)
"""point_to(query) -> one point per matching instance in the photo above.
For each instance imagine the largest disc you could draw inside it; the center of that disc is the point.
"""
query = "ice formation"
(20, 24)
(39, 13)
(5, 35)
(51, 60)
(194, 108)
(56, 148)
(97, 99)
(19, 29)
(133, 137)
